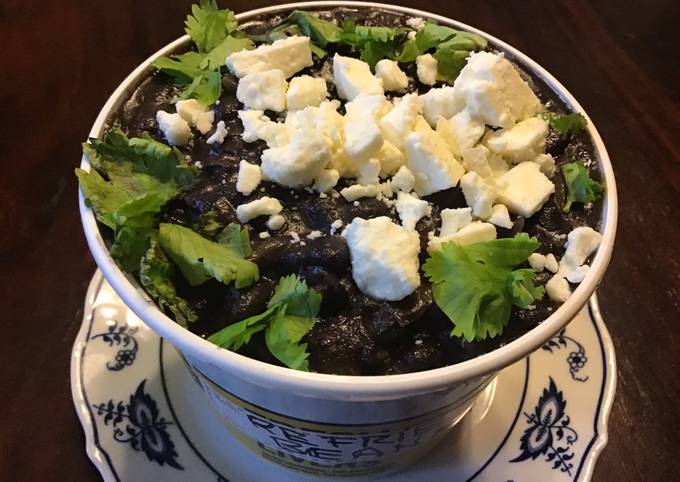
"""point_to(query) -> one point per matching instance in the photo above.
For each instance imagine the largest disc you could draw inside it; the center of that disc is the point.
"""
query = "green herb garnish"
(156, 273)
(580, 186)
(143, 174)
(290, 315)
(200, 259)
(565, 125)
(477, 285)
(215, 35)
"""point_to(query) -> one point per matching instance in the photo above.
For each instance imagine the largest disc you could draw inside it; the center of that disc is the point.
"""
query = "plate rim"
(101, 459)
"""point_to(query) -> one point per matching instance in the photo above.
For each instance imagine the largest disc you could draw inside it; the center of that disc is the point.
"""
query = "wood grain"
(61, 59)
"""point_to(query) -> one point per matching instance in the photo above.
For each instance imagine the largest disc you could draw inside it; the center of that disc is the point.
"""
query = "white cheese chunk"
(175, 129)
(403, 180)
(364, 105)
(297, 164)
(393, 78)
(399, 122)
(275, 222)
(335, 226)
(353, 77)
(384, 258)
(304, 91)
(290, 55)
(363, 138)
(265, 206)
(263, 90)
(196, 114)
(551, 263)
(479, 194)
(524, 189)
(326, 180)
(257, 126)
(249, 177)
(218, 136)
(390, 157)
(357, 191)
(438, 103)
(546, 163)
(411, 210)
(426, 69)
(369, 172)
(537, 261)
(558, 289)
(500, 216)
(581, 243)
(521, 142)
(453, 220)
(480, 160)
(416, 23)
(475, 232)
(494, 92)
(432, 163)
(577, 275)
(460, 131)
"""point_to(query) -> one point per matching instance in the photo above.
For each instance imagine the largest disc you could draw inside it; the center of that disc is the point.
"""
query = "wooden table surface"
(62, 59)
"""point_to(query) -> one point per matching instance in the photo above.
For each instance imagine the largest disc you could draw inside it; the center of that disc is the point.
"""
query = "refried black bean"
(355, 335)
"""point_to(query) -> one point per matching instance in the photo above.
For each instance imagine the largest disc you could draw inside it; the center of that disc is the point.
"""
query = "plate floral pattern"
(543, 418)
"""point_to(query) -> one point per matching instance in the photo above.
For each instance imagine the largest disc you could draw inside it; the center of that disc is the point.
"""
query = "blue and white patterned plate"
(146, 419)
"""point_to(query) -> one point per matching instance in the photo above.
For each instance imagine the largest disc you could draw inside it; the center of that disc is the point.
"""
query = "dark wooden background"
(61, 59)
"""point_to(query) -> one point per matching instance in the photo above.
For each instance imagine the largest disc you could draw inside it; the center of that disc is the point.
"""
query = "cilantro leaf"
(283, 335)
(237, 238)
(476, 286)
(565, 125)
(238, 334)
(450, 63)
(208, 25)
(290, 315)
(217, 57)
(524, 292)
(200, 259)
(205, 88)
(580, 186)
(143, 175)
(321, 32)
(433, 34)
(156, 274)
(409, 52)
(182, 68)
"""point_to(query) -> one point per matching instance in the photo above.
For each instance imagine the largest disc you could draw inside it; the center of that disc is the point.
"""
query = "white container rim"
(341, 387)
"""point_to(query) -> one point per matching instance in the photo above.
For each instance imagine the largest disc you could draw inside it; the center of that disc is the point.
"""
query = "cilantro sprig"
(142, 175)
(566, 125)
(215, 35)
(290, 315)
(200, 259)
(477, 285)
(580, 186)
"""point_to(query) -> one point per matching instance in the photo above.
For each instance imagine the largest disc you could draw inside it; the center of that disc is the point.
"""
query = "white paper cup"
(332, 425)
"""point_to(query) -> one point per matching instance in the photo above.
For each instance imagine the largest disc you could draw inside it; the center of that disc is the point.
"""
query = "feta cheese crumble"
(249, 177)
(393, 78)
(426, 69)
(521, 142)
(500, 216)
(475, 232)
(479, 194)
(275, 222)
(357, 191)
(175, 129)
(326, 180)
(453, 220)
(304, 91)
(265, 206)
(400, 121)
(431, 162)
(263, 90)
(492, 90)
(290, 55)
(460, 131)
(403, 180)
(296, 164)
(524, 189)
(218, 136)
(196, 114)
(384, 258)
(411, 210)
(353, 77)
